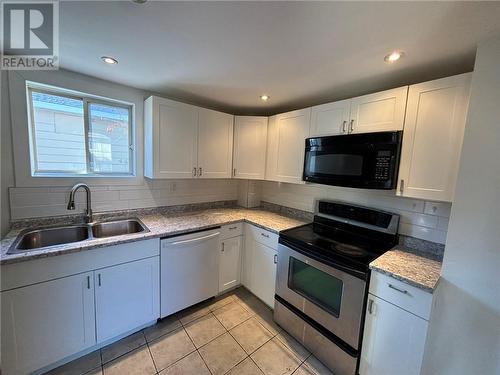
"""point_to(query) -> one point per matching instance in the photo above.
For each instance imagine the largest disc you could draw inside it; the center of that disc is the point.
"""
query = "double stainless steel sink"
(46, 237)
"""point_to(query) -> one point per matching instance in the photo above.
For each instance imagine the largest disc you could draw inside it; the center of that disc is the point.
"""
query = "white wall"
(464, 333)
(38, 197)
(7, 164)
(421, 219)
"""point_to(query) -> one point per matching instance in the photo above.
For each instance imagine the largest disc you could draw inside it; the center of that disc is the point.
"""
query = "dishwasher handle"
(195, 239)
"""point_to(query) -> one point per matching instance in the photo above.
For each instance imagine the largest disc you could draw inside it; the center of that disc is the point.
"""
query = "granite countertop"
(159, 225)
(414, 269)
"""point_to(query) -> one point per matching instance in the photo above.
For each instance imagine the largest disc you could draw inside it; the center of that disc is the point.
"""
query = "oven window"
(317, 286)
(335, 164)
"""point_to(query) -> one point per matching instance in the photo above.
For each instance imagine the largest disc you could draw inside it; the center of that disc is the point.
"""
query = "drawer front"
(231, 230)
(263, 236)
(403, 295)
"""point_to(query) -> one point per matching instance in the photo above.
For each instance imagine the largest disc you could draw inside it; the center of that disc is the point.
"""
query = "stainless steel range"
(323, 276)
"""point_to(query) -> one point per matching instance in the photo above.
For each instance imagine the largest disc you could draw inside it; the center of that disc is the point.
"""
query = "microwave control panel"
(383, 165)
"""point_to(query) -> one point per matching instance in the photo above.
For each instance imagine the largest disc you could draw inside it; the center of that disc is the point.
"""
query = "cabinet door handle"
(275, 258)
(88, 282)
(222, 247)
(194, 171)
(264, 235)
(99, 279)
(399, 290)
(370, 306)
(352, 126)
(200, 171)
(231, 228)
(344, 123)
(234, 172)
(402, 186)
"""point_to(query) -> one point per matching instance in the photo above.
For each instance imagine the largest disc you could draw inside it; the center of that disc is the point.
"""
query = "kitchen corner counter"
(159, 225)
(409, 267)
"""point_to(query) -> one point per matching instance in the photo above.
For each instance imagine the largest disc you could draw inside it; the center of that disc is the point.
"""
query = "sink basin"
(35, 239)
(117, 228)
(47, 237)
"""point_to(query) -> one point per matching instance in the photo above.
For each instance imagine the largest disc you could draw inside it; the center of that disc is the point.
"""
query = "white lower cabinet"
(46, 322)
(395, 327)
(129, 291)
(264, 273)
(55, 308)
(259, 263)
(393, 342)
(229, 263)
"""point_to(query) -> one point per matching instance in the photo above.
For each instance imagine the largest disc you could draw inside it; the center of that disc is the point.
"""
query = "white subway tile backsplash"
(443, 223)
(438, 208)
(421, 219)
(52, 201)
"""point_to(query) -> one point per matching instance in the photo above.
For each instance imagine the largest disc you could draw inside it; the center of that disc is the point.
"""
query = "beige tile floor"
(232, 334)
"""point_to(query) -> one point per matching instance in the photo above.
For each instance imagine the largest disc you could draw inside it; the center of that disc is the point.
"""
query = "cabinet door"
(432, 140)
(272, 153)
(215, 144)
(264, 273)
(292, 130)
(174, 139)
(44, 323)
(381, 111)
(393, 340)
(330, 118)
(250, 137)
(229, 263)
(127, 296)
(247, 259)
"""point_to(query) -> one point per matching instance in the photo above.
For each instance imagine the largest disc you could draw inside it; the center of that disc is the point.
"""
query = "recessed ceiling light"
(265, 98)
(393, 56)
(109, 60)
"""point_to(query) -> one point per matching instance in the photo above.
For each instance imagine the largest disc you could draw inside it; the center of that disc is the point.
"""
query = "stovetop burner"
(340, 242)
(350, 250)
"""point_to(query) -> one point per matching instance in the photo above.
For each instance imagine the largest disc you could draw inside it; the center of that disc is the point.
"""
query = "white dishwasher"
(189, 271)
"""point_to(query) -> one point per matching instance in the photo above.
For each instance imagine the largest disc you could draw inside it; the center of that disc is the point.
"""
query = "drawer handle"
(231, 228)
(370, 306)
(396, 288)
(264, 235)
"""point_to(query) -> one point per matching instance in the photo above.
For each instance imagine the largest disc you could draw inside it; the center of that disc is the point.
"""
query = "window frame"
(87, 100)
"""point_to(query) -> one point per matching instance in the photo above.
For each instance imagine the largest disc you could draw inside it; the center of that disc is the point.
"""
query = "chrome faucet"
(71, 203)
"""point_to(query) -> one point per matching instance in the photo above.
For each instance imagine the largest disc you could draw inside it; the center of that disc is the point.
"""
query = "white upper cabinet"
(381, 111)
(250, 137)
(184, 141)
(171, 138)
(215, 144)
(286, 148)
(432, 140)
(330, 118)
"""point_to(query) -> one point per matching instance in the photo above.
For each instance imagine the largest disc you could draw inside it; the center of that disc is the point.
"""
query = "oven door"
(331, 297)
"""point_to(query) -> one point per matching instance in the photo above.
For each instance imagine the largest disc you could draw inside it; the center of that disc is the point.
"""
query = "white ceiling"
(225, 54)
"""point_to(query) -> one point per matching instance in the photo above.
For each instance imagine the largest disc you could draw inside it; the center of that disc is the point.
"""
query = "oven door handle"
(341, 267)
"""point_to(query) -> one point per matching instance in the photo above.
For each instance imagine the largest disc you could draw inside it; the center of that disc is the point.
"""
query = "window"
(75, 134)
